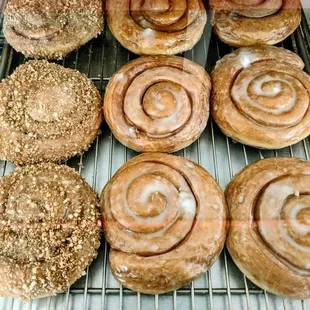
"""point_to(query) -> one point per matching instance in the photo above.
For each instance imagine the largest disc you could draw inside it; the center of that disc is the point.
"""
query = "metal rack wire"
(224, 286)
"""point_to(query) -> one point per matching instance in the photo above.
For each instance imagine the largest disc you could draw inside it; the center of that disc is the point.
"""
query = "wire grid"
(224, 286)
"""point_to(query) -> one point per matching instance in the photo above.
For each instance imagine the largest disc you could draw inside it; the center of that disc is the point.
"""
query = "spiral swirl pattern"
(51, 30)
(158, 103)
(269, 238)
(49, 230)
(154, 27)
(237, 22)
(157, 209)
(47, 113)
(265, 102)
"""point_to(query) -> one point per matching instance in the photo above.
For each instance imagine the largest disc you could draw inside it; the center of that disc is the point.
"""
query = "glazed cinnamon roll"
(49, 230)
(52, 29)
(261, 97)
(243, 23)
(153, 27)
(269, 235)
(165, 219)
(47, 113)
(158, 103)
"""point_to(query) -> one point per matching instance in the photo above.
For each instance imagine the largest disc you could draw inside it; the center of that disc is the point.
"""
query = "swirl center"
(155, 107)
(27, 203)
(50, 104)
(159, 102)
(147, 200)
(38, 26)
(164, 12)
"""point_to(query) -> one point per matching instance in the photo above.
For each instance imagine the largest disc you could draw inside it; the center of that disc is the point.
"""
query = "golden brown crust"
(165, 219)
(235, 29)
(158, 103)
(47, 113)
(261, 97)
(49, 230)
(268, 238)
(154, 28)
(51, 29)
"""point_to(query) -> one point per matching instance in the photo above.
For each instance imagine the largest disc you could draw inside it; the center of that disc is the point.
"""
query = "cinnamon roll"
(269, 235)
(158, 103)
(153, 27)
(165, 219)
(51, 29)
(243, 23)
(47, 113)
(261, 97)
(49, 230)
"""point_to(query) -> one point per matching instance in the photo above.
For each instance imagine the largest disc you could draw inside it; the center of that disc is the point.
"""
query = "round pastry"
(244, 23)
(158, 103)
(269, 235)
(49, 230)
(261, 97)
(154, 27)
(47, 113)
(165, 219)
(51, 29)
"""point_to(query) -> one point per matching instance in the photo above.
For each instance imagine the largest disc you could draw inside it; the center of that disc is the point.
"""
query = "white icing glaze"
(279, 191)
(132, 132)
(302, 229)
(154, 248)
(150, 189)
(241, 198)
(290, 240)
(123, 268)
(239, 92)
(187, 204)
(157, 104)
(190, 165)
(170, 120)
(148, 33)
(173, 117)
(246, 57)
(245, 61)
(120, 77)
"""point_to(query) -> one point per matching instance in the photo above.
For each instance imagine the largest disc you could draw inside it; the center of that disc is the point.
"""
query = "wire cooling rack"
(224, 286)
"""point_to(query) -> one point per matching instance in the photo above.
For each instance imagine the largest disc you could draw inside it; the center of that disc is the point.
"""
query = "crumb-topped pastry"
(154, 27)
(47, 113)
(49, 230)
(165, 219)
(51, 29)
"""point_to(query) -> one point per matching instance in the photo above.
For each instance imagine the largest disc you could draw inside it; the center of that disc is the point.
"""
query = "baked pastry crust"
(52, 29)
(47, 113)
(165, 219)
(49, 231)
(269, 237)
(156, 27)
(264, 23)
(158, 103)
(261, 97)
